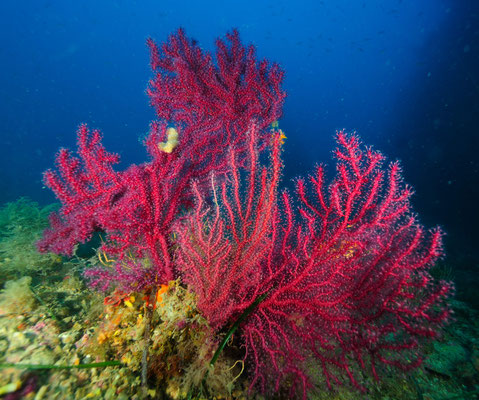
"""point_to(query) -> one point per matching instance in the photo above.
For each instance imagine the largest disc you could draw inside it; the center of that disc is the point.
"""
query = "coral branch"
(220, 250)
(348, 287)
(189, 90)
(210, 107)
(358, 286)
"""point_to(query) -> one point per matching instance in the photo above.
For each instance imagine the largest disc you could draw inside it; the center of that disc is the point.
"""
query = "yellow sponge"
(172, 141)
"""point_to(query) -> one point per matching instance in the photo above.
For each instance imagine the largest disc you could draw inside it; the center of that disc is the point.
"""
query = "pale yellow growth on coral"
(280, 133)
(11, 387)
(105, 260)
(242, 369)
(172, 141)
(282, 136)
(276, 131)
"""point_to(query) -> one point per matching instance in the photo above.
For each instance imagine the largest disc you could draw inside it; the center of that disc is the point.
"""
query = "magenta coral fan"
(189, 89)
(344, 272)
(348, 286)
(210, 106)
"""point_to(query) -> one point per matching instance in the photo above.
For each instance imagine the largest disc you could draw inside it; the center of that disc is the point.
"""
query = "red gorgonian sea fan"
(190, 90)
(342, 268)
(210, 106)
(348, 288)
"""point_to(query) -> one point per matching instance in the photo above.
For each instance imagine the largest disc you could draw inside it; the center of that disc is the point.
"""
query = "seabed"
(61, 340)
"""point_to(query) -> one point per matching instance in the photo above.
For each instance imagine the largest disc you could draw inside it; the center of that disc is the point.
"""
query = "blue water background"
(403, 74)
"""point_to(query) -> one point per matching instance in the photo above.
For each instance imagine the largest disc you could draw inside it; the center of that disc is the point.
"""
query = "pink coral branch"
(349, 286)
(357, 259)
(211, 107)
(220, 256)
(189, 89)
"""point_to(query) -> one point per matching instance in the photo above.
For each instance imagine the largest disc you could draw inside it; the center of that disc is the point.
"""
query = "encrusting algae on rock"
(17, 297)
(54, 321)
(21, 225)
(181, 343)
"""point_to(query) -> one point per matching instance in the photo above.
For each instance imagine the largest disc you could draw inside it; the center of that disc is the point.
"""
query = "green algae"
(21, 225)
(17, 297)
(102, 364)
